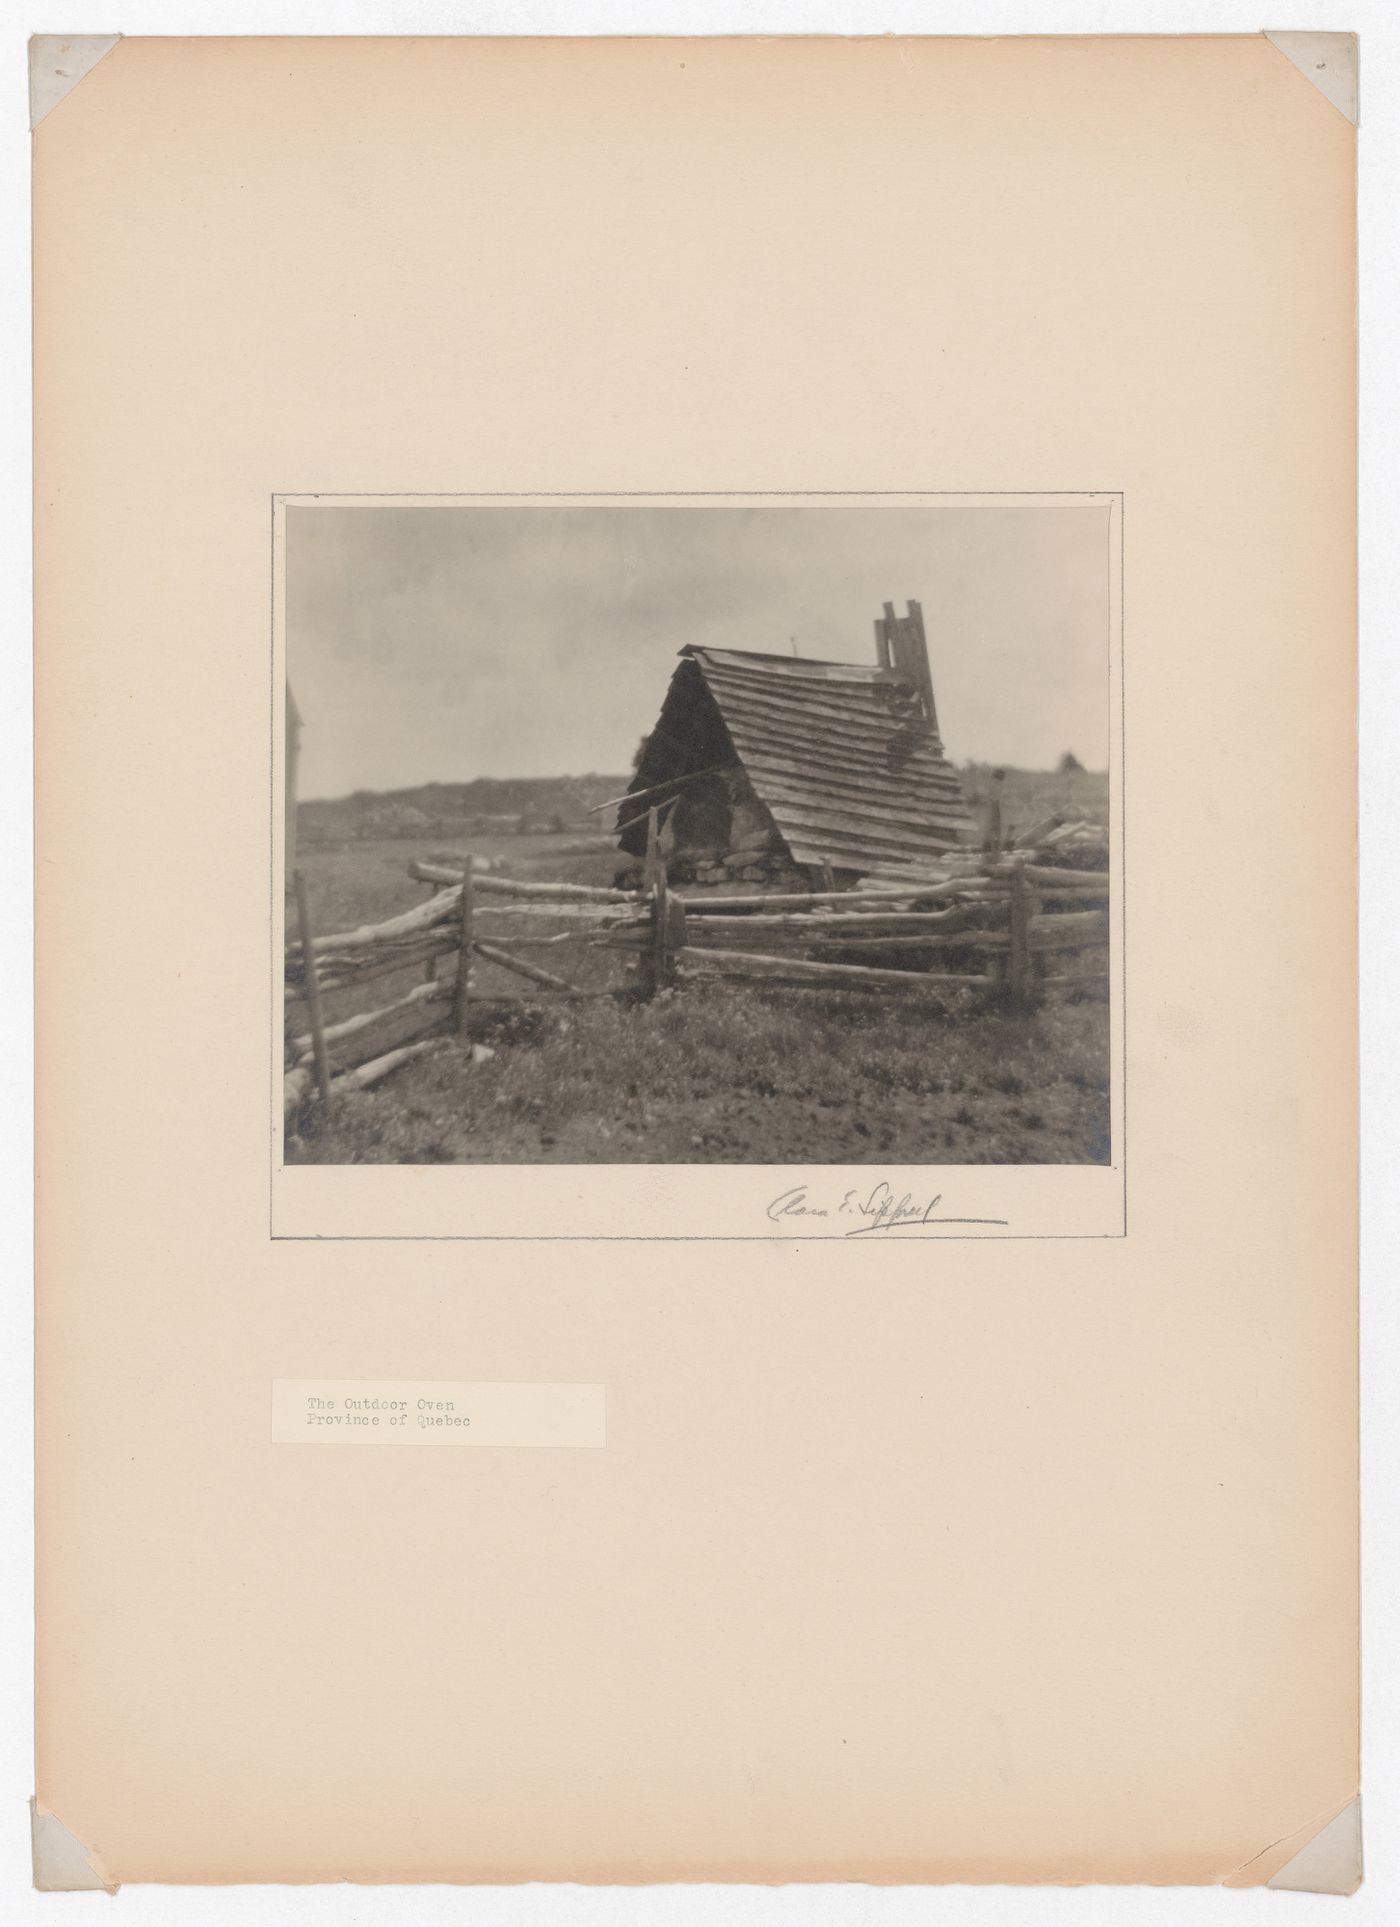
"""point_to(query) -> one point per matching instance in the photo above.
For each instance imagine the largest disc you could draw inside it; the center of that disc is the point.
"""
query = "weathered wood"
(366, 1019)
(827, 923)
(963, 940)
(854, 818)
(464, 952)
(498, 886)
(364, 1075)
(745, 962)
(423, 916)
(435, 872)
(430, 968)
(853, 743)
(1074, 927)
(1019, 967)
(493, 954)
(660, 931)
(1039, 873)
(1025, 838)
(882, 646)
(344, 973)
(312, 987)
(707, 906)
(653, 854)
(551, 892)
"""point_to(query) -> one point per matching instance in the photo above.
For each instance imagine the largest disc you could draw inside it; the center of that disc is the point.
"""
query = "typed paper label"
(410, 1411)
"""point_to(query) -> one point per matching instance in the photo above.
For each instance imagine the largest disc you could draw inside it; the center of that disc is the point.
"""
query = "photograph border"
(1118, 986)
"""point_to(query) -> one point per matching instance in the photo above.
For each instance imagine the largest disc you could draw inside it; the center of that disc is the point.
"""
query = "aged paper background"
(1000, 1562)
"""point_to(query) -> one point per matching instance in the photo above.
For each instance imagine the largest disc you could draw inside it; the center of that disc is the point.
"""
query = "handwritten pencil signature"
(879, 1209)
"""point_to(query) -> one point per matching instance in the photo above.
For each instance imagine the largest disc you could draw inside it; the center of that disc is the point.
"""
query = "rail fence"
(1018, 921)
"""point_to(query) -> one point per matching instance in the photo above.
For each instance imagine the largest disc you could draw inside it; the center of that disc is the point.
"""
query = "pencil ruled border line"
(1119, 989)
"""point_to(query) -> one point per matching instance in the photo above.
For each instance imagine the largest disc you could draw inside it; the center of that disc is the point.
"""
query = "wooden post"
(882, 645)
(653, 855)
(918, 655)
(991, 838)
(652, 961)
(828, 876)
(312, 986)
(462, 1001)
(662, 965)
(1019, 959)
(430, 968)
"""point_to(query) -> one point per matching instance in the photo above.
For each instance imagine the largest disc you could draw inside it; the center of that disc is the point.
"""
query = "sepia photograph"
(663, 831)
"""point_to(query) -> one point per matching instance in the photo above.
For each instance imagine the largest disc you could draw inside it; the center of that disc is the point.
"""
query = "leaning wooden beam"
(313, 990)
(1026, 838)
(746, 963)
(551, 892)
(423, 916)
(366, 1074)
(635, 796)
(365, 1019)
(823, 923)
(537, 976)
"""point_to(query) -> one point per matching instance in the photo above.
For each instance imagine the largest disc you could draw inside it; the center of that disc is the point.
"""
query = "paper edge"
(61, 1863)
(50, 82)
(1329, 1863)
(1331, 61)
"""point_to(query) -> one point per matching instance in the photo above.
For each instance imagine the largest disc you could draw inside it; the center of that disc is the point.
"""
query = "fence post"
(312, 986)
(462, 999)
(991, 834)
(653, 855)
(667, 933)
(430, 968)
(1019, 959)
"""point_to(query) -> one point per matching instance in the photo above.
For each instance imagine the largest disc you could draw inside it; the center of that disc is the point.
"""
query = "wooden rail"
(997, 920)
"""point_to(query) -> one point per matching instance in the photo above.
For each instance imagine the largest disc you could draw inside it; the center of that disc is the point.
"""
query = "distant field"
(1028, 796)
(713, 1074)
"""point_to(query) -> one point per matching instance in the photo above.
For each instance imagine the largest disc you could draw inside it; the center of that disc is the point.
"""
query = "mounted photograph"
(666, 831)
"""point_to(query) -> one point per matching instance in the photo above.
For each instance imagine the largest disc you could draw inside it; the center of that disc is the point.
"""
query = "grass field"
(706, 1074)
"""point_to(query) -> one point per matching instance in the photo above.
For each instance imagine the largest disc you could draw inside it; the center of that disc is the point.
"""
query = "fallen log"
(494, 955)
(365, 1019)
(366, 1074)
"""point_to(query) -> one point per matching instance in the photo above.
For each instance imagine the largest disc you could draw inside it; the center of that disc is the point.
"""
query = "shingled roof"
(840, 755)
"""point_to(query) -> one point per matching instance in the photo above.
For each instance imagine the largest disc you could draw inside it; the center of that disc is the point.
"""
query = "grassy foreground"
(733, 1074)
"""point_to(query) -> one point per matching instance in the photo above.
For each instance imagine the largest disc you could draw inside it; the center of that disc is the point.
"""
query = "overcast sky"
(443, 643)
